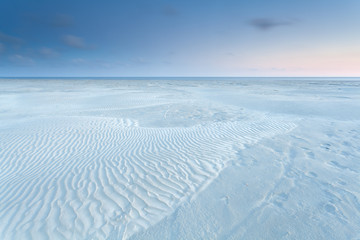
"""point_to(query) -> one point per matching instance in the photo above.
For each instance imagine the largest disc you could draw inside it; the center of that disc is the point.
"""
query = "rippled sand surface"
(100, 159)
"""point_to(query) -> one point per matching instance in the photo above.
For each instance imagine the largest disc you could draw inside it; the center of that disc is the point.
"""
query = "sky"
(93, 38)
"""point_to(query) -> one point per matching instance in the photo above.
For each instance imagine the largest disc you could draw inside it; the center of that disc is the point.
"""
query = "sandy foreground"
(179, 159)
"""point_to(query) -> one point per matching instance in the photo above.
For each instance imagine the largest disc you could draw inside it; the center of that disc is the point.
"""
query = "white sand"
(179, 159)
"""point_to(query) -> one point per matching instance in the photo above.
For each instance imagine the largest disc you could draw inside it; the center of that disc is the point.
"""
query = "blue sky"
(179, 38)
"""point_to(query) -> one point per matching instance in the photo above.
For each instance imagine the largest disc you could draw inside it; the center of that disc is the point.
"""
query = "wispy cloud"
(62, 20)
(78, 61)
(21, 60)
(74, 41)
(10, 39)
(268, 23)
(169, 11)
(2, 48)
(48, 52)
(95, 63)
(230, 54)
(58, 20)
(139, 61)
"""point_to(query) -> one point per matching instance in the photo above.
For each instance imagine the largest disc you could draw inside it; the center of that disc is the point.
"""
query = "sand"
(179, 159)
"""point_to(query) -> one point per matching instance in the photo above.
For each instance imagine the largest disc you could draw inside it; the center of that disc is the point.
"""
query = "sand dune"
(83, 177)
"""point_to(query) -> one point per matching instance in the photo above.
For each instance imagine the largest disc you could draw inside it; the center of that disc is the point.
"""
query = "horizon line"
(6, 77)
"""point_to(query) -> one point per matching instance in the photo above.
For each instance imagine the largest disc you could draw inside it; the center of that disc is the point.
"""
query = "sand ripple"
(98, 178)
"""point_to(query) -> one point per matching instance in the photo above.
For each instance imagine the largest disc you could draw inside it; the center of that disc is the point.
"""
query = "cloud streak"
(62, 20)
(21, 60)
(74, 41)
(139, 61)
(268, 23)
(10, 39)
(57, 20)
(78, 61)
(170, 11)
(48, 52)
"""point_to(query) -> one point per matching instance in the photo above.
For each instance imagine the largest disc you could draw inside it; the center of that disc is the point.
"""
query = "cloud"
(10, 39)
(268, 23)
(170, 11)
(21, 60)
(78, 61)
(95, 63)
(139, 61)
(74, 41)
(62, 20)
(2, 48)
(48, 52)
(54, 20)
(167, 62)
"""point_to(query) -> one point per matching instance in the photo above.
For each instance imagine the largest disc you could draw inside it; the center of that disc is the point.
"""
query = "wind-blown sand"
(230, 159)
